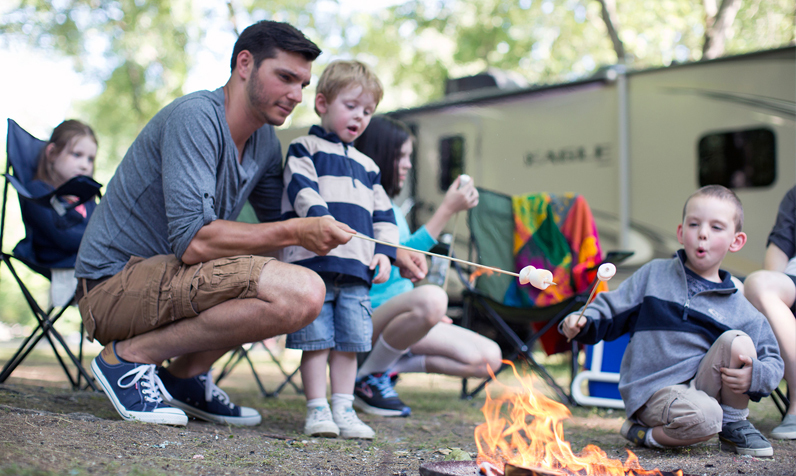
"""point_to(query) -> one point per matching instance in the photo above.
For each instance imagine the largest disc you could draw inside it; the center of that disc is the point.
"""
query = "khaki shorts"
(692, 410)
(150, 293)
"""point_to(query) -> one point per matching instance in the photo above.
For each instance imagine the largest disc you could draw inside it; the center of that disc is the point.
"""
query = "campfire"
(524, 435)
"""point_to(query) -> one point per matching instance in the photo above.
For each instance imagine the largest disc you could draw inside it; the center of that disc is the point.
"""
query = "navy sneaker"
(375, 394)
(136, 391)
(200, 398)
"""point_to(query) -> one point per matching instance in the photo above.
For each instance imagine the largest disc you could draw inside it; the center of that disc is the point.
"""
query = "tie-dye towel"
(557, 233)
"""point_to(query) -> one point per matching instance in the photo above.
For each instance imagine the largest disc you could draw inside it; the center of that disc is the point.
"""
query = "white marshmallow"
(464, 179)
(606, 271)
(539, 278)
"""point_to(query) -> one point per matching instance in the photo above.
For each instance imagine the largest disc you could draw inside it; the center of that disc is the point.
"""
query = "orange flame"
(532, 436)
(478, 272)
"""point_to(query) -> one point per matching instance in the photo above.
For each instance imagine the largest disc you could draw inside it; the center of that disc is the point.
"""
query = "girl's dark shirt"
(51, 240)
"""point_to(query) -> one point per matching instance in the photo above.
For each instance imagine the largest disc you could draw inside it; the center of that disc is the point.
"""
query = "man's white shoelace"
(212, 391)
(151, 386)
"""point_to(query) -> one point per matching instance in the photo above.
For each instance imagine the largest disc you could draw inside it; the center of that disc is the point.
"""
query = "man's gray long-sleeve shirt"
(180, 174)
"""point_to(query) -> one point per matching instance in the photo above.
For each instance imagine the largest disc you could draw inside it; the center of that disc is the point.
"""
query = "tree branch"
(609, 17)
(717, 26)
(232, 18)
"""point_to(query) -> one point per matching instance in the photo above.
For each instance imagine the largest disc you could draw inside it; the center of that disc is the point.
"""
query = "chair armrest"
(617, 256)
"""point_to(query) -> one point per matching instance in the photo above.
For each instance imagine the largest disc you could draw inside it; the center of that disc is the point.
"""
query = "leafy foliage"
(142, 50)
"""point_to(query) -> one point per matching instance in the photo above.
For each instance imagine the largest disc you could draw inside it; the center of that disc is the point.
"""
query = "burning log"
(471, 468)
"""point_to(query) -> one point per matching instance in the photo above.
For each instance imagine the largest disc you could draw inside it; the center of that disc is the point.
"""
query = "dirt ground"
(45, 429)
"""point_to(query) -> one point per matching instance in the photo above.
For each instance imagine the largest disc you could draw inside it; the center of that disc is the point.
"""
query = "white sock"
(411, 363)
(650, 442)
(380, 359)
(732, 415)
(317, 402)
(342, 401)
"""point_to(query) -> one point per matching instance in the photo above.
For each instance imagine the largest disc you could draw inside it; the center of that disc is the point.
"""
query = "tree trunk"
(717, 25)
(611, 23)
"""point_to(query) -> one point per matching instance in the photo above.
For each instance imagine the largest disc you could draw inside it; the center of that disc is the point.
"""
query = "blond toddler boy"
(325, 175)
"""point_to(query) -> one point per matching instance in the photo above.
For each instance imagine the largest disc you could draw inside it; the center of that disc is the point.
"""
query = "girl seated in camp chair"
(52, 240)
(411, 332)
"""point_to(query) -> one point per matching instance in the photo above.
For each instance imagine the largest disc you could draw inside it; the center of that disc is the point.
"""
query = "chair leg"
(781, 401)
(226, 369)
(45, 325)
(241, 353)
(288, 377)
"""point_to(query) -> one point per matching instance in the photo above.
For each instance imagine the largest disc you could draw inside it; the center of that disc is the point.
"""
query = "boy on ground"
(325, 175)
(698, 349)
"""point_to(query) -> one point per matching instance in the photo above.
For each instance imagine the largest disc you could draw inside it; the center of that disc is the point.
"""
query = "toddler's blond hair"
(342, 74)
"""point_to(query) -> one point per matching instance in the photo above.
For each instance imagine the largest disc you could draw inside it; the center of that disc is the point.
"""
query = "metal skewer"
(588, 301)
(497, 270)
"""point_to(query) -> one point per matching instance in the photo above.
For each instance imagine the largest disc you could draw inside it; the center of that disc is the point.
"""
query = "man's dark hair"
(264, 38)
(382, 142)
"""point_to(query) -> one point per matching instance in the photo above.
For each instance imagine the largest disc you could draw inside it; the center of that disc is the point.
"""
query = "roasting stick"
(402, 247)
(605, 272)
(464, 179)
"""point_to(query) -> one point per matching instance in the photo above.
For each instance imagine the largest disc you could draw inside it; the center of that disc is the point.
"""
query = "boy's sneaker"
(136, 391)
(634, 432)
(375, 394)
(743, 438)
(320, 423)
(786, 430)
(351, 426)
(199, 397)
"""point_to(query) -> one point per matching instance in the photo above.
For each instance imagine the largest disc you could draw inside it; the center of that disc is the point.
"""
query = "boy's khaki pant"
(692, 410)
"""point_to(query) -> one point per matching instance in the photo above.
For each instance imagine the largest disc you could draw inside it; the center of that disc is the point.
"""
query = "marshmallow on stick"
(539, 278)
(605, 272)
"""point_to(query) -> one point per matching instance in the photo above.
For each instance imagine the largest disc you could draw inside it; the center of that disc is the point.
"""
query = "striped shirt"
(325, 176)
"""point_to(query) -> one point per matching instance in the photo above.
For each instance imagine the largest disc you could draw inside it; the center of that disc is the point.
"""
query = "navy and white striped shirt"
(325, 176)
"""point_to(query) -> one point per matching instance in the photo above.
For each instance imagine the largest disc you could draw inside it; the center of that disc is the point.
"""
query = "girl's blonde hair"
(340, 75)
(63, 136)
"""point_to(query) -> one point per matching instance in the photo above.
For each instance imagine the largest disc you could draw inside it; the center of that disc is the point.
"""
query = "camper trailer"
(634, 143)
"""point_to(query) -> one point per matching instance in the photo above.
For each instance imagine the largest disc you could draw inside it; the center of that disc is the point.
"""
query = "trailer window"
(738, 159)
(451, 160)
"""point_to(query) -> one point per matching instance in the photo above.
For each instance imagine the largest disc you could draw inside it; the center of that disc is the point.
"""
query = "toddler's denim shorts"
(345, 321)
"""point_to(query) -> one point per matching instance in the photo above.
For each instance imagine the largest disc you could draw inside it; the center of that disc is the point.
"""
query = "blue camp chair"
(22, 152)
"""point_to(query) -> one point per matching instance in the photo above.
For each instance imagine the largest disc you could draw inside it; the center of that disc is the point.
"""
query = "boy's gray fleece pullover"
(669, 334)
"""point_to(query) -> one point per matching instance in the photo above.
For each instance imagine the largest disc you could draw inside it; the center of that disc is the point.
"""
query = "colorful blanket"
(557, 233)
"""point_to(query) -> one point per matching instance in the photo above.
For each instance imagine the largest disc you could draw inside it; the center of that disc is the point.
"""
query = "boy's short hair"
(341, 74)
(265, 37)
(722, 193)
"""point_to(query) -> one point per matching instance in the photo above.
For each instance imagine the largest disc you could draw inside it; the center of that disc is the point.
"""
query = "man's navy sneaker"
(136, 391)
(375, 394)
(199, 397)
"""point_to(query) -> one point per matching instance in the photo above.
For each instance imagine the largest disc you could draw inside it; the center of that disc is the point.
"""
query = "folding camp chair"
(22, 157)
(486, 301)
(242, 352)
(601, 375)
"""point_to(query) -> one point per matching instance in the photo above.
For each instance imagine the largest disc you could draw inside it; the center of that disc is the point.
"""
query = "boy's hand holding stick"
(572, 326)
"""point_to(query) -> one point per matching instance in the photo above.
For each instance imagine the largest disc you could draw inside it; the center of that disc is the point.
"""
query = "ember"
(530, 438)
